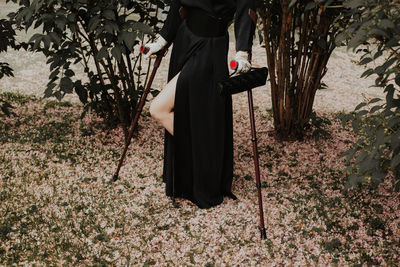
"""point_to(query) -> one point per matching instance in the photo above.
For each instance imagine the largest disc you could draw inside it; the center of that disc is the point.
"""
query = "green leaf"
(394, 163)
(55, 38)
(129, 39)
(362, 113)
(94, 22)
(69, 73)
(340, 38)
(310, 6)
(375, 108)
(46, 41)
(111, 27)
(102, 53)
(374, 100)
(378, 54)
(35, 37)
(51, 86)
(380, 137)
(58, 95)
(397, 79)
(386, 23)
(141, 27)
(117, 53)
(60, 22)
(353, 3)
(377, 177)
(367, 73)
(66, 85)
(393, 42)
(292, 3)
(81, 92)
(36, 44)
(54, 74)
(71, 17)
(365, 61)
(109, 14)
(362, 156)
(49, 90)
(322, 43)
(394, 122)
(356, 125)
(378, 32)
(389, 95)
(395, 140)
(359, 106)
(354, 180)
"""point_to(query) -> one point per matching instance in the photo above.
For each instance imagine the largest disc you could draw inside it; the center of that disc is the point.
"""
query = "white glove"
(242, 59)
(155, 47)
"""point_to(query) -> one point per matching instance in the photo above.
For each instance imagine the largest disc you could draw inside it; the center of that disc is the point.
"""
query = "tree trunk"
(298, 44)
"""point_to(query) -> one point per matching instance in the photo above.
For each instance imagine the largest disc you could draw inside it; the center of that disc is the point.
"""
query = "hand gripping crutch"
(246, 82)
(159, 57)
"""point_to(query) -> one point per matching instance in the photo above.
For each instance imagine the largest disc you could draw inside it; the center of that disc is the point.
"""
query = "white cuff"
(242, 58)
(161, 41)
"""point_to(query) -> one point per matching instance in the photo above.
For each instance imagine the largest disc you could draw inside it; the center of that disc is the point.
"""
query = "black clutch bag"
(243, 82)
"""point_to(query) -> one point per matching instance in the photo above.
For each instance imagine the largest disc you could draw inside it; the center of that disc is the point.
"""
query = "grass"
(58, 207)
(54, 104)
(16, 98)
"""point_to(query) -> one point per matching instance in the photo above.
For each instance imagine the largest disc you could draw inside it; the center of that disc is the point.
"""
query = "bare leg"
(162, 105)
(161, 109)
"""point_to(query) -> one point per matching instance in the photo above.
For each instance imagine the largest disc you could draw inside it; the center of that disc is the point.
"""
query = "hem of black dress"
(192, 199)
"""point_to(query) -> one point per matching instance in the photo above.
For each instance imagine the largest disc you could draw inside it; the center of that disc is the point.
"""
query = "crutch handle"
(234, 65)
(144, 49)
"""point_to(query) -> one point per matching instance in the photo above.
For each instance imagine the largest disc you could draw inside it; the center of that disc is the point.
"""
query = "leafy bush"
(299, 38)
(7, 39)
(374, 32)
(104, 37)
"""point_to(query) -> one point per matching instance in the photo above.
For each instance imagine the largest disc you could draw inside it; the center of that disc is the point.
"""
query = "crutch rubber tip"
(115, 178)
(174, 203)
(263, 234)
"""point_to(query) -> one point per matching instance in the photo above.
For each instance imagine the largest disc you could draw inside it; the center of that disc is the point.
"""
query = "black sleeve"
(245, 24)
(172, 22)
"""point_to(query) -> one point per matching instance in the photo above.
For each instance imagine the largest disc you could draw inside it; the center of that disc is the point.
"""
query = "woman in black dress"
(198, 144)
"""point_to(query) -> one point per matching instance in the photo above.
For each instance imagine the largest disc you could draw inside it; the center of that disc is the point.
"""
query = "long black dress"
(198, 159)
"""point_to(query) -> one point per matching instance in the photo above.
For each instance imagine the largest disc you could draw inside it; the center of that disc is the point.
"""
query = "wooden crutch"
(157, 63)
(246, 82)
(256, 163)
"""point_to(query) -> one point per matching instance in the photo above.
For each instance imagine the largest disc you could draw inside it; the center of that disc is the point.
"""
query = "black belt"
(204, 24)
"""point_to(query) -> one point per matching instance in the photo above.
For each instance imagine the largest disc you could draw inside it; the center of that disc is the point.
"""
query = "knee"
(155, 112)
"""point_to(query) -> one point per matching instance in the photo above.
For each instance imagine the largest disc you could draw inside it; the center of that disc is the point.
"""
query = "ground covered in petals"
(58, 207)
